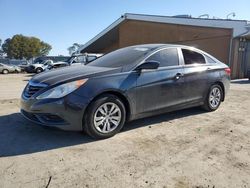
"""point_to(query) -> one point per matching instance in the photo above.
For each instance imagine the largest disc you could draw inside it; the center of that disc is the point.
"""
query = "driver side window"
(166, 57)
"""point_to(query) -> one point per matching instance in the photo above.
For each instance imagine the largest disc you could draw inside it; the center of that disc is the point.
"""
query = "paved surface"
(11, 85)
(188, 148)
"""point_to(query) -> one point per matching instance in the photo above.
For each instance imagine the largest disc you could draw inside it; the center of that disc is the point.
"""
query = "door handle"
(178, 76)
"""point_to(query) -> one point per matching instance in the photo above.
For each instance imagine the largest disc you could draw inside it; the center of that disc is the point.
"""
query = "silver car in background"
(5, 69)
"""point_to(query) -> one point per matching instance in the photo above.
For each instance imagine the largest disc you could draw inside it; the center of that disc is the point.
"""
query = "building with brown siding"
(227, 40)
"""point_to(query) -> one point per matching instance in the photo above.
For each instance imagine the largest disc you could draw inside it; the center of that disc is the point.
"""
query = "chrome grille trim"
(32, 88)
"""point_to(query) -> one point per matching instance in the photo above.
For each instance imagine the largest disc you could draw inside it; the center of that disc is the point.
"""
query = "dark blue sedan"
(124, 85)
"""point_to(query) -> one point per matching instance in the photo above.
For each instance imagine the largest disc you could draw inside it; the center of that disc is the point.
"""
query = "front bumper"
(30, 69)
(64, 113)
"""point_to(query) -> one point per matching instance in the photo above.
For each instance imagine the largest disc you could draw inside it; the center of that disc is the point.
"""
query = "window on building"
(166, 57)
(191, 57)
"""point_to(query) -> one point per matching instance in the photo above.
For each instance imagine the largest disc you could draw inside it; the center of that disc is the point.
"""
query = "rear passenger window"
(166, 57)
(210, 60)
(191, 57)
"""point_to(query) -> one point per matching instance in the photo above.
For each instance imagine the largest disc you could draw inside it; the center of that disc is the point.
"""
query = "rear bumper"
(226, 83)
(65, 113)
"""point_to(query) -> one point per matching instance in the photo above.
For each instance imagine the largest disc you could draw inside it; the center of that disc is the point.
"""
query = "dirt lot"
(188, 148)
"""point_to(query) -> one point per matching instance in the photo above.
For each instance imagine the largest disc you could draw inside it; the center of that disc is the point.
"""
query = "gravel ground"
(188, 148)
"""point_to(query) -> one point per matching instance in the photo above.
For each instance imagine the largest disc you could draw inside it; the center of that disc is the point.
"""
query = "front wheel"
(214, 98)
(105, 117)
(39, 70)
(5, 71)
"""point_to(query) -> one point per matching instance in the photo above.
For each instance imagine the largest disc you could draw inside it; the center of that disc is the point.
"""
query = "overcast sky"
(64, 22)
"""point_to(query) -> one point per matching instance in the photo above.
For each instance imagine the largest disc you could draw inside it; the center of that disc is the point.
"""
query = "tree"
(5, 45)
(20, 47)
(74, 48)
(1, 50)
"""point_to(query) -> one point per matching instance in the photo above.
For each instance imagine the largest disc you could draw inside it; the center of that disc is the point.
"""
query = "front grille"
(32, 89)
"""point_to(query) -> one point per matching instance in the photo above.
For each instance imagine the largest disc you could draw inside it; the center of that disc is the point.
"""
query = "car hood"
(58, 62)
(71, 73)
(36, 65)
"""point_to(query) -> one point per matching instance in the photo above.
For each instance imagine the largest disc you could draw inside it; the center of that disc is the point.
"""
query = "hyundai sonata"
(124, 85)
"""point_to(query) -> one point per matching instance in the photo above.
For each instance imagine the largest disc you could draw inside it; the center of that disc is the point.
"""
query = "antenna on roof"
(231, 14)
(203, 15)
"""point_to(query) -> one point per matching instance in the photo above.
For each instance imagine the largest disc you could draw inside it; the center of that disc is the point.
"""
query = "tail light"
(228, 71)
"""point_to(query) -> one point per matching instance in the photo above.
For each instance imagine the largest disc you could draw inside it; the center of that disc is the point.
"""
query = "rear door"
(195, 75)
(163, 87)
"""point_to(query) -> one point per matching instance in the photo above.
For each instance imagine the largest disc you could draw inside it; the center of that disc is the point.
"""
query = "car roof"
(153, 47)
(162, 46)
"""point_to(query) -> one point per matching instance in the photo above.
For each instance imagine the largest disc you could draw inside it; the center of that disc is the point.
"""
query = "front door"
(163, 87)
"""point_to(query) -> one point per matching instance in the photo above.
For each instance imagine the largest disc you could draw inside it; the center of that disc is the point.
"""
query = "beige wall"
(214, 41)
(110, 48)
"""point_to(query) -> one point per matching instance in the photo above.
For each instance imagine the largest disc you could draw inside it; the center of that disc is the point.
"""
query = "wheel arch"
(5, 70)
(222, 87)
(118, 94)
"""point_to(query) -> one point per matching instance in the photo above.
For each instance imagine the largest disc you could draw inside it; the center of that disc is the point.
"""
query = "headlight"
(61, 90)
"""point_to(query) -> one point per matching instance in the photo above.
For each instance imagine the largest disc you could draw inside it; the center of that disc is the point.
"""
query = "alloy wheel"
(107, 117)
(215, 97)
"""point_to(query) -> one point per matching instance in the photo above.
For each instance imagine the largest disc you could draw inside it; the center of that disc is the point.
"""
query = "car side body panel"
(145, 93)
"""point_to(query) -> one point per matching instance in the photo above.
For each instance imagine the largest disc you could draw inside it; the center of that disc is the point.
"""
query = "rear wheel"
(214, 98)
(105, 117)
(5, 71)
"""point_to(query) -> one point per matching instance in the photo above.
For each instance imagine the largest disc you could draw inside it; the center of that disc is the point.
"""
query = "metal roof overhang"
(103, 39)
(101, 42)
(246, 35)
(111, 33)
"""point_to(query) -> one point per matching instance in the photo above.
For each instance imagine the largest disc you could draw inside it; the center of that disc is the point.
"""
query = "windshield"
(70, 59)
(120, 58)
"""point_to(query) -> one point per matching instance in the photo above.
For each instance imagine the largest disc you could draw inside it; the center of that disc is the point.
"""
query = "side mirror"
(147, 65)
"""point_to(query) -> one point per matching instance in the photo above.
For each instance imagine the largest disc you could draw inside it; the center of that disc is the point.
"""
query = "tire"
(214, 98)
(96, 124)
(5, 71)
(39, 70)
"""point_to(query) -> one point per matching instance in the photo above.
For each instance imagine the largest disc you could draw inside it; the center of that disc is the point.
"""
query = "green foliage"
(74, 48)
(20, 47)
(1, 50)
